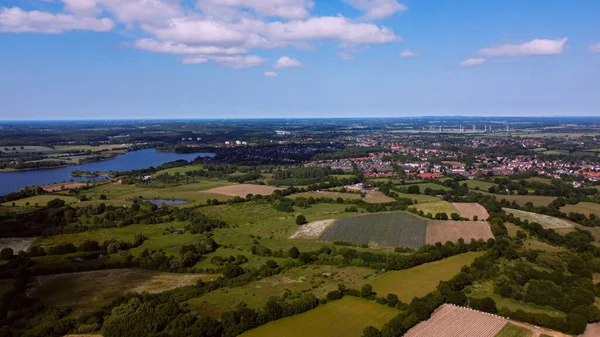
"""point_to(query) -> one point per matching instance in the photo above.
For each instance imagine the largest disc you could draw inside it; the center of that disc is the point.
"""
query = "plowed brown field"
(443, 231)
(469, 210)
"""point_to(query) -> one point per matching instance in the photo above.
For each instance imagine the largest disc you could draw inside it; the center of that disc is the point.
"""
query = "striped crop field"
(398, 229)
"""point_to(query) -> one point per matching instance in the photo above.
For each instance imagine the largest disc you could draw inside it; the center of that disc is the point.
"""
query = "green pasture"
(511, 330)
(586, 208)
(482, 185)
(327, 194)
(346, 317)
(436, 207)
(42, 200)
(421, 280)
(316, 279)
(433, 186)
(481, 290)
(181, 170)
(420, 198)
(537, 200)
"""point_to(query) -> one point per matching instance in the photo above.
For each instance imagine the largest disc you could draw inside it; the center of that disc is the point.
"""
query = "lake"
(13, 181)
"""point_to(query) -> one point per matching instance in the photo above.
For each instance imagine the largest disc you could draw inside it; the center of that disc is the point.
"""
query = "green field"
(537, 200)
(436, 207)
(181, 170)
(316, 279)
(433, 186)
(586, 208)
(482, 185)
(421, 280)
(420, 198)
(41, 200)
(487, 290)
(346, 317)
(511, 330)
(327, 194)
(399, 229)
(88, 291)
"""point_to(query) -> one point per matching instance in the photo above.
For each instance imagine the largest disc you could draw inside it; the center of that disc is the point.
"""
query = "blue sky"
(102, 59)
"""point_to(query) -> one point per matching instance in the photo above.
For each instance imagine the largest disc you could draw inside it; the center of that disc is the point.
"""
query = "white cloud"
(286, 62)
(408, 53)
(533, 47)
(270, 74)
(345, 56)
(594, 48)
(82, 7)
(179, 48)
(194, 60)
(473, 62)
(16, 20)
(287, 9)
(239, 62)
(128, 11)
(377, 9)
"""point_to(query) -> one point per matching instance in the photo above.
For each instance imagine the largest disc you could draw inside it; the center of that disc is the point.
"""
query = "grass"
(346, 317)
(316, 279)
(42, 200)
(512, 229)
(487, 290)
(482, 185)
(328, 194)
(586, 208)
(420, 198)
(433, 186)
(156, 240)
(421, 280)
(6, 286)
(436, 207)
(535, 244)
(88, 291)
(537, 200)
(511, 330)
(375, 197)
(181, 170)
(399, 229)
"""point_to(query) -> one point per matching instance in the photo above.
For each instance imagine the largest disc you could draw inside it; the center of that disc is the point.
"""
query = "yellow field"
(436, 207)
(346, 317)
(421, 280)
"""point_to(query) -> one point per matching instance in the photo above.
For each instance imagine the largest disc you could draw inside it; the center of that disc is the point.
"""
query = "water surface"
(13, 181)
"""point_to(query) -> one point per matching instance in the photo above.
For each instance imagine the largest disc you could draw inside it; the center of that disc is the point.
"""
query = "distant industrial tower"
(474, 128)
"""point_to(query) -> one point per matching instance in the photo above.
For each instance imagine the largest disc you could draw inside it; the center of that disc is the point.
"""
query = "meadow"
(536, 200)
(436, 207)
(511, 330)
(40, 200)
(88, 291)
(479, 184)
(433, 186)
(346, 317)
(399, 229)
(586, 208)
(316, 279)
(421, 280)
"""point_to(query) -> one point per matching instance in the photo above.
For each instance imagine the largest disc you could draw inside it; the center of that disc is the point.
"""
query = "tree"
(334, 295)
(455, 216)
(441, 216)
(392, 300)
(521, 235)
(300, 220)
(366, 290)
(6, 254)
(576, 323)
(55, 203)
(371, 332)
(413, 189)
(102, 197)
(294, 253)
(232, 271)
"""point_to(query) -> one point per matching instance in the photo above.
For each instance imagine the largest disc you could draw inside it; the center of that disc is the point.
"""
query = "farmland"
(471, 210)
(312, 230)
(452, 321)
(328, 194)
(545, 220)
(536, 200)
(399, 229)
(17, 244)
(316, 279)
(443, 231)
(90, 290)
(511, 330)
(40, 200)
(436, 207)
(586, 208)
(375, 197)
(346, 317)
(479, 184)
(421, 280)
(242, 190)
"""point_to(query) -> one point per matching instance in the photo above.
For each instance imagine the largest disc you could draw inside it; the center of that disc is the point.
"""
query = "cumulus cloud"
(270, 74)
(377, 9)
(533, 47)
(594, 48)
(473, 62)
(239, 62)
(408, 53)
(16, 20)
(286, 62)
(223, 31)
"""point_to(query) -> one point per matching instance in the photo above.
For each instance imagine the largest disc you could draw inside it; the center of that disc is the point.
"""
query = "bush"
(294, 253)
(300, 220)
(334, 295)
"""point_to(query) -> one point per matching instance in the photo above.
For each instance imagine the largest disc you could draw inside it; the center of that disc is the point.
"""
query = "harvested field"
(545, 220)
(471, 210)
(62, 186)
(242, 190)
(87, 291)
(421, 280)
(312, 230)
(436, 207)
(443, 231)
(586, 208)
(592, 330)
(346, 317)
(452, 321)
(399, 229)
(17, 244)
(375, 197)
